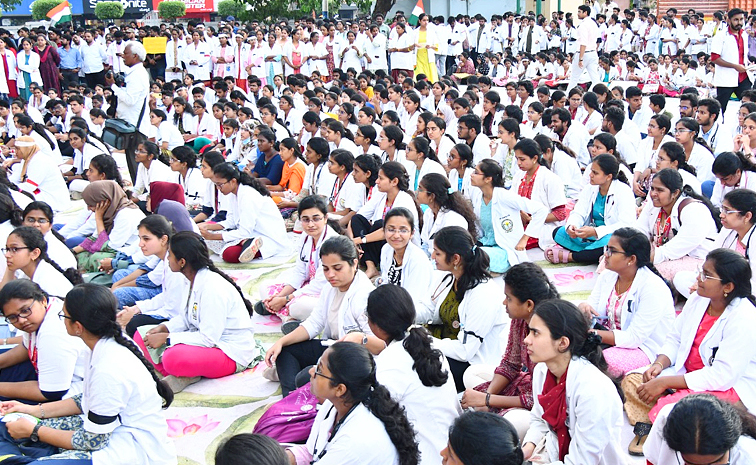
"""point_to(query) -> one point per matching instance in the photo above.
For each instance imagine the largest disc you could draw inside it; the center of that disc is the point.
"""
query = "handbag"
(291, 418)
(118, 132)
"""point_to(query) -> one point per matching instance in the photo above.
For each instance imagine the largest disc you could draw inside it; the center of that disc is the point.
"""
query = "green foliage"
(228, 8)
(171, 9)
(109, 10)
(264, 9)
(39, 8)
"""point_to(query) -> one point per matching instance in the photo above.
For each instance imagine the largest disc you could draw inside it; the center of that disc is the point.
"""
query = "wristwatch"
(35, 432)
(364, 339)
(364, 240)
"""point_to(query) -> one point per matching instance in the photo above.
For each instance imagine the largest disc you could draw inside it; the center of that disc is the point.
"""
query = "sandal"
(641, 431)
(558, 255)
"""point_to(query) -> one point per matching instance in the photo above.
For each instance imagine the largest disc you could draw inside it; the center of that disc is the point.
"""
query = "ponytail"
(229, 171)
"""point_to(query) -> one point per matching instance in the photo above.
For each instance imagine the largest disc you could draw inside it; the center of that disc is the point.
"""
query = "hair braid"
(72, 274)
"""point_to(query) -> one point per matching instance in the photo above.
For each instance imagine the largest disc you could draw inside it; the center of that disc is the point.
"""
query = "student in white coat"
(197, 58)
(633, 302)
(570, 385)
(424, 161)
(28, 63)
(446, 207)
(460, 164)
(481, 437)
(730, 433)
(502, 234)
(604, 206)
(118, 418)
(152, 166)
(212, 336)
(296, 295)
(710, 348)
(39, 215)
(39, 174)
(49, 364)
(339, 315)
(416, 374)
(358, 423)
(246, 233)
(404, 264)
(468, 317)
(562, 164)
(733, 171)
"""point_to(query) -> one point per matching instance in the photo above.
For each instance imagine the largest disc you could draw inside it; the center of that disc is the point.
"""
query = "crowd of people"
(412, 172)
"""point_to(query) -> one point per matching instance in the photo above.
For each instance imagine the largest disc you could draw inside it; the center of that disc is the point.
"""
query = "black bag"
(118, 132)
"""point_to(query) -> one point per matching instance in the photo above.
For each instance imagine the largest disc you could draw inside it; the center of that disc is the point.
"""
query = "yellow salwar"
(423, 65)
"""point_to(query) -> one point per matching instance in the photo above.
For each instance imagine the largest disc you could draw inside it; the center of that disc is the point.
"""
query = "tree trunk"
(382, 7)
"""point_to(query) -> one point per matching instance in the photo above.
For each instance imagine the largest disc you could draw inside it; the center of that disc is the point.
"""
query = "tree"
(39, 8)
(265, 9)
(109, 10)
(171, 10)
(382, 7)
(228, 8)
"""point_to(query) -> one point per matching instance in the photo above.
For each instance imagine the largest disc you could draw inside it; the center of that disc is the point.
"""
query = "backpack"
(291, 418)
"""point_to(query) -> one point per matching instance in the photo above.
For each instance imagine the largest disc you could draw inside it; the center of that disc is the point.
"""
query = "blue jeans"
(23, 451)
(128, 296)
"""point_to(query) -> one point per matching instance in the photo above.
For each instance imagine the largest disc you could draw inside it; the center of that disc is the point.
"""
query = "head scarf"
(448, 113)
(98, 191)
(27, 148)
(160, 191)
(176, 213)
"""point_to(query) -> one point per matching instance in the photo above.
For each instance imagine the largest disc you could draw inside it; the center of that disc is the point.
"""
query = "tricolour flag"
(60, 14)
(416, 12)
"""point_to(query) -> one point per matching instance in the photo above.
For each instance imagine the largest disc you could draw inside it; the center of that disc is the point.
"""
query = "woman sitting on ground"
(212, 335)
(478, 437)
(39, 174)
(733, 170)
(39, 215)
(508, 389)
(445, 208)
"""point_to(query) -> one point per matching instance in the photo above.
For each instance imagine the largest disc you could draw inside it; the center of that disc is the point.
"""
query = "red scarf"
(554, 404)
(662, 228)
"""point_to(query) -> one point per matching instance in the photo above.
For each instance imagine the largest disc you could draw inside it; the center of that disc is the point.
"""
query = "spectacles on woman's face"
(719, 461)
(314, 219)
(220, 185)
(12, 250)
(609, 251)
(63, 316)
(23, 313)
(727, 212)
(702, 276)
(41, 221)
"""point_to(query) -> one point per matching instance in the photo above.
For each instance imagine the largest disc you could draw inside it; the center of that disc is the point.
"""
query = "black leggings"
(372, 250)
(458, 370)
(293, 358)
(142, 320)
(585, 256)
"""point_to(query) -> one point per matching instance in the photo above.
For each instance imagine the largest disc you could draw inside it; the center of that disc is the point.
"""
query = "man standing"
(729, 54)
(132, 97)
(586, 58)
(70, 62)
(94, 58)
(115, 53)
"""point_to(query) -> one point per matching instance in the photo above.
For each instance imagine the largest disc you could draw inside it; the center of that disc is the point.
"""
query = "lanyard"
(33, 341)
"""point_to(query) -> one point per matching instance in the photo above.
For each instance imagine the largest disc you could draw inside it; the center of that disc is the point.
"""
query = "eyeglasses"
(609, 251)
(221, 184)
(702, 276)
(684, 130)
(727, 212)
(400, 231)
(12, 250)
(23, 313)
(318, 373)
(314, 219)
(40, 221)
(682, 461)
(63, 316)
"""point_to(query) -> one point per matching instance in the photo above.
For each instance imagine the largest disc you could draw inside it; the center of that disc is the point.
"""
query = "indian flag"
(416, 12)
(61, 13)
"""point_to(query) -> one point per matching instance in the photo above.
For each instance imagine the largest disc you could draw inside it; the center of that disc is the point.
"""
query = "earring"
(725, 294)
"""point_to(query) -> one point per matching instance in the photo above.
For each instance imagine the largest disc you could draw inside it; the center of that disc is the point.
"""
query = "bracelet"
(658, 363)
(5, 341)
(41, 412)
(488, 399)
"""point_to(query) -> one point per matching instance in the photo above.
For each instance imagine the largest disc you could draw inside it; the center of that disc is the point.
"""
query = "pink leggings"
(621, 361)
(190, 361)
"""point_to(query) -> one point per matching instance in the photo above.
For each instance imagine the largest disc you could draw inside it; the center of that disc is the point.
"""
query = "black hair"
(213, 158)
(395, 134)
(152, 149)
(511, 125)
(422, 146)
(471, 122)
(672, 180)
(731, 267)
(246, 448)
(106, 165)
(191, 247)
(339, 128)
(706, 425)
(48, 212)
(728, 163)
(95, 308)
(9, 210)
(26, 121)
(354, 367)
(546, 144)
(676, 152)
(22, 289)
(531, 148)
(438, 185)
(392, 309)
(33, 239)
(320, 146)
(744, 201)
(369, 163)
(615, 116)
(610, 164)
(229, 171)
(186, 155)
(344, 158)
(663, 122)
(492, 169)
(693, 126)
(291, 144)
(636, 243)
(527, 281)
(341, 246)
(157, 225)
(455, 240)
(479, 438)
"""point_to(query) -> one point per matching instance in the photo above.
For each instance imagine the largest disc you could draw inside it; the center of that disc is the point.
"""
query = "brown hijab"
(98, 191)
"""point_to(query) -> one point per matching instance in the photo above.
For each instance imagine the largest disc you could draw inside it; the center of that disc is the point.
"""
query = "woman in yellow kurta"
(426, 44)
(293, 173)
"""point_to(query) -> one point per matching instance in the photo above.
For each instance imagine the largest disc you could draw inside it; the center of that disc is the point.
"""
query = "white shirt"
(263, 221)
(93, 57)
(587, 34)
(725, 45)
(43, 180)
(158, 171)
(132, 99)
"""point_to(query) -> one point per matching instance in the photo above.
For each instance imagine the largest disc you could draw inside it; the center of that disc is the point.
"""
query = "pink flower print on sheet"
(565, 279)
(178, 428)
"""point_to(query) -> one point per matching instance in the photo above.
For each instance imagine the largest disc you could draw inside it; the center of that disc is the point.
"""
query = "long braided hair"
(191, 247)
(95, 308)
(33, 239)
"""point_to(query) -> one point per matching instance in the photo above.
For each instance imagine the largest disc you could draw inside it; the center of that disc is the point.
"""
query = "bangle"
(658, 363)
(5, 341)
(41, 412)
(488, 399)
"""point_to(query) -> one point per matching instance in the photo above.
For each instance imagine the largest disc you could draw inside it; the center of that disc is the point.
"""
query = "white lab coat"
(416, 278)
(297, 277)
(618, 212)
(431, 38)
(567, 169)
(727, 238)
(402, 60)
(352, 314)
(693, 230)
(548, 190)
(648, 315)
(264, 221)
(32, 68)
(59, 253)
(595, 437)
(201, 53)
(214, 315)
(394, 370)
(431, 225)
(169, 303)
(49, 279)
(507, 224)
(373, 209)
(727, 351)
(747, 181)
(467, 187)
(428, 166)
(481, 321)
(43, 180)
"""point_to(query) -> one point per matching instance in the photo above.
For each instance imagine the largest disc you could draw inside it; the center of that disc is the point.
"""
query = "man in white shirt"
(712, 131)
(586, 58)
(614, 119)
(637, 112)
(729, 53)
(469, 131)
(115, 51)
(480, 38)
(572, 135)
(132, 97)
(94, 58)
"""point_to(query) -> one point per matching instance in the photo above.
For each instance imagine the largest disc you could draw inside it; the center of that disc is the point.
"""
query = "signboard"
(192, 6)
(130, 7)
(155, 44)
(24, 9)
